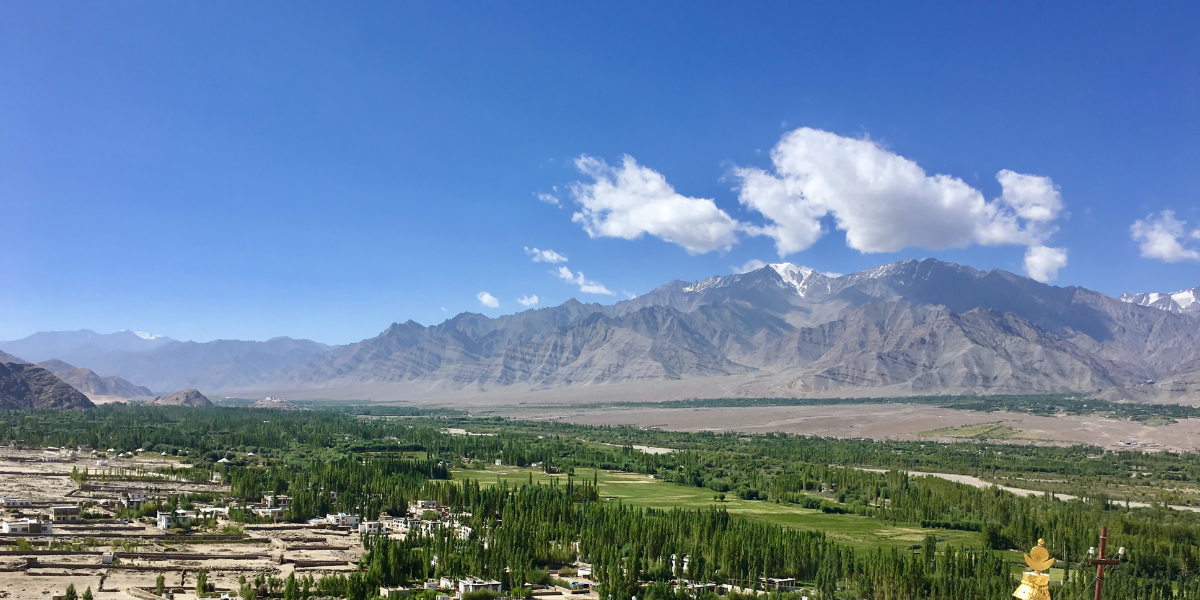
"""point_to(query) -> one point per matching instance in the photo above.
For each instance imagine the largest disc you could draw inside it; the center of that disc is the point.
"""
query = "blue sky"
(247, 170)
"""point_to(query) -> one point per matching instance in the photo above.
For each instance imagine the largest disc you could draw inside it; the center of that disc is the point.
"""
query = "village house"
(275, 513)
(179, 518)
(342, 520)
(467, 585)
(785, 584)
(370, 528)
(7, 502)
(274, 501)
(132, 500)
(64, 514)
(27, 527)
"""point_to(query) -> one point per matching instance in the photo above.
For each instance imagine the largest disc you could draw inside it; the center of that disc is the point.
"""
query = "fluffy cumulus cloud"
(885, 202)
(1043, 263)
(1165, 238)
(751, 265)
(548, 199)
(586, 286)
(548, 256)
(629, 200)
(487, 300)
(530, 300)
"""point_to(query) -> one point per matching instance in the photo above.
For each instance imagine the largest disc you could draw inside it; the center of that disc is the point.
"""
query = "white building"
(274, 501)
(271, 513)
(342, 520)
(467, 585)
(179, 518)
(27, 527)
(370, 528)
(7, 502)
(134, 500)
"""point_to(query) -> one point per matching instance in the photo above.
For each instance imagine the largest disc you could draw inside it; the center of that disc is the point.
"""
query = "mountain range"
(911, 327)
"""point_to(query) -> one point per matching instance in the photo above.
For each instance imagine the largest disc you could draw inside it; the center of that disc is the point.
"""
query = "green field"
(982, 431)
(642, 490)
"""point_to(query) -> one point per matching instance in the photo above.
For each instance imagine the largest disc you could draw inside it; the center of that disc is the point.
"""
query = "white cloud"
(530, 300)
(630, 200)
(885, 202)
(629, 295)
(547, 255)
(1162, 237)
(487, 300)
(585, 285)
(1042, 263)
(751, 265)
(548, 199)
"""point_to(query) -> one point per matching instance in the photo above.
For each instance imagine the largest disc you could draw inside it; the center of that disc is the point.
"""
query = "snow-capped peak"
(1185, 301)
(1185, 298)
(146, 336)
(800, 278)
(793, 274)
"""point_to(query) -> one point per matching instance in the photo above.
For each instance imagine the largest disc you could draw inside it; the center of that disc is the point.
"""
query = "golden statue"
(1035, 585)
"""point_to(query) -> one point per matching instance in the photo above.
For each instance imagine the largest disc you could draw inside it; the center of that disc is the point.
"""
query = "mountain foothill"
(906, 328)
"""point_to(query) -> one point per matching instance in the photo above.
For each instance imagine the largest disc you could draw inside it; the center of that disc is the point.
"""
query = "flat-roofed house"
(64, 514)
(27, 527)
(467, 585)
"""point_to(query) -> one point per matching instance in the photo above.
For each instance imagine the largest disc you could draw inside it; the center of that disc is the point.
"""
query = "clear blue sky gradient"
(247, 169)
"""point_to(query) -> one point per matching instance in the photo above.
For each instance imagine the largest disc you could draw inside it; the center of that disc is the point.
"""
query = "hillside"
(24, 385)
(92, 385)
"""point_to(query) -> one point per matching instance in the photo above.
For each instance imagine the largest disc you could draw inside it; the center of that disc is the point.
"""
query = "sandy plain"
(876, 421)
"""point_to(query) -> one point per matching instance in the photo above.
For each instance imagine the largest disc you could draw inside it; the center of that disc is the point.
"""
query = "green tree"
(87, 594)
(71, 594)
(291, 590)
(160, 584)
(201, 583)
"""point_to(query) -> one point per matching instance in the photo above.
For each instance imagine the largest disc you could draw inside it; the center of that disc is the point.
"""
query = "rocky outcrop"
(25, 386)
(184, 398)
(274, 404)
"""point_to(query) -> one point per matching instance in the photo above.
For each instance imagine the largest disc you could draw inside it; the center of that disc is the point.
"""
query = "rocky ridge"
(26, 386)
(92, 385)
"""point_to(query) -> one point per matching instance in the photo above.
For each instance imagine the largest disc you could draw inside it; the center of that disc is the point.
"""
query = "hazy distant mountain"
(160, 363)
(30, 386)
(904, 328)
(93, 385)
(8, 358)
(77, 347)
(1178, 302)
(219, 364)
(184, 398)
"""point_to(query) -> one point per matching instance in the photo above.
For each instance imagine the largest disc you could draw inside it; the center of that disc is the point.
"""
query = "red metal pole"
(1100, 567)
